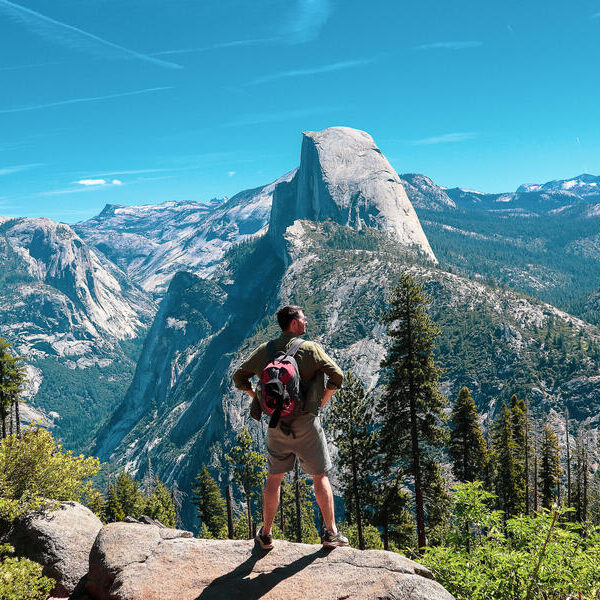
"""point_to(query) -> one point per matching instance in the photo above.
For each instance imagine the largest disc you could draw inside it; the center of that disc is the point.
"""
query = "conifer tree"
(113, 511)
(393, 515)
(518, 414)
(582, 480)
(411, 405)
(505, 480)
(160, 505)
(549, 471)
(248, 470)
(468, 448)
(351, 421)
(209, 502)
(11, 379)
(130, 497)
(288, 514)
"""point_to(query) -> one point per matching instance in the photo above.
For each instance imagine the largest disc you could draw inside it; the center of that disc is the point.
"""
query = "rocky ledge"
(143, 562)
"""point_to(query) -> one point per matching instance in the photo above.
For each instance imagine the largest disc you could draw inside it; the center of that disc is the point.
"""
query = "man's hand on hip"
(326, 396)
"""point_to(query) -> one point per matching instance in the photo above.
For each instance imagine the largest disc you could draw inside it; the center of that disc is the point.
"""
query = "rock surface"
(343, 176)
(60, 540)
(141, 562)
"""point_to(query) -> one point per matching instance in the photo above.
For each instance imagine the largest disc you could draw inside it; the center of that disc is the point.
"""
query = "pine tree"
(468, 448)
(392, 514)
(549, 473)
(12, 376)
(505, 480)
(114, 511)
(582, 480)
(289, 511)
(411, 405)
(248, 470)
(518, 414)
(209, 502)
(160, 505)
(351, 420)
(130, 497)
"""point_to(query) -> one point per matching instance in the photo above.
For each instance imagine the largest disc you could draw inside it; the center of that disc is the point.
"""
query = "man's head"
(292, 319)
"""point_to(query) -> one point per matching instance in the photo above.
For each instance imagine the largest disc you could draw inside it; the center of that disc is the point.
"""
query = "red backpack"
(280, 386)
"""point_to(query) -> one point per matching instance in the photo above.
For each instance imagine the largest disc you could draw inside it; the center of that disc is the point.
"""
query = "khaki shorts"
(307, 442)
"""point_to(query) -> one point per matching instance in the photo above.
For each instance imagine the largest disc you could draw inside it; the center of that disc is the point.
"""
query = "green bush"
(21, 579)
(34, 468)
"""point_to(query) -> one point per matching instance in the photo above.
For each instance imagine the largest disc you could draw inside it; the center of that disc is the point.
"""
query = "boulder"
(60, 540)
(144, 562)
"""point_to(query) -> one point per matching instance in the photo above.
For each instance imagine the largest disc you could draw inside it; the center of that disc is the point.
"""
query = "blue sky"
(144, 101)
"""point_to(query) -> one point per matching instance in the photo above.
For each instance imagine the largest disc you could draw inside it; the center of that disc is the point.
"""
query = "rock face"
(70, 312)
(343, 176)
(151, 243)
(141, 562)
(60, 540)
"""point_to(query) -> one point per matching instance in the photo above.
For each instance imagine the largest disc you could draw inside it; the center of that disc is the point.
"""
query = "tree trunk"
(361, 539)
(386, 533)
(527, 474)
(229, 512)
(281, 517)
(249, 516)
(17, 418)
(298, 510)
(568, 458)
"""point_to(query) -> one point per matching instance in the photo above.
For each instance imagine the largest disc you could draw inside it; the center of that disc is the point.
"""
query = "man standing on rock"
(303, 437)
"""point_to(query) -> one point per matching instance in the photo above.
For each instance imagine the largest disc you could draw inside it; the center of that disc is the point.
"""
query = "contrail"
(40, 23)
(80, 100)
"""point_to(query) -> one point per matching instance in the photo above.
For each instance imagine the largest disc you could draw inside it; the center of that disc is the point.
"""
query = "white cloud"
(18, 168)
(448, 45)
(447, 138)
(80, 100)
(91, 182)
(73, 37)
(347, 64)
(230, 173)
(306, 21)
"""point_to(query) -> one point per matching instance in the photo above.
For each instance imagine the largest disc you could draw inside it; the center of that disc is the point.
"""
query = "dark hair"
(286, 315)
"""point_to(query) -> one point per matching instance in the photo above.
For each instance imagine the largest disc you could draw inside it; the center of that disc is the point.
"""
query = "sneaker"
(333, 540)
(264, 541)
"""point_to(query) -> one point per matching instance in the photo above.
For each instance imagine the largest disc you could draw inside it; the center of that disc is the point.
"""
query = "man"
(303, 437)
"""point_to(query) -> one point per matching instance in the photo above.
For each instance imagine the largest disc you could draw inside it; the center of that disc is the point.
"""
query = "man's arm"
(249, 368)
(333, 372)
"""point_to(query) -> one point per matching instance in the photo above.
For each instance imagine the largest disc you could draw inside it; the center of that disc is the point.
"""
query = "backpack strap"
(294, 347)
(271, 350)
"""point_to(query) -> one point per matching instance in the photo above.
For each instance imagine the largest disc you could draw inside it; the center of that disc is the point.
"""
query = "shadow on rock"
(237, 585)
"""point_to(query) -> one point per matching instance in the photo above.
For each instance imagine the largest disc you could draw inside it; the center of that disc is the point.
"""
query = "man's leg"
(271, 500)
(324, 496)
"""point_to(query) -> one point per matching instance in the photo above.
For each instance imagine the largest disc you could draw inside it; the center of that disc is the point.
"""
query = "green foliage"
(209, 502)
(468, 448)
(114, 510)
(411, 405)
(130, 496)
(35, 467)
(511, 494)
(370, 534)
(22, 579)
(540, 557)
(549, 466)
(160, 505)
(309, 533)
(96, 502)
(248, 470)
(350, 419)
(12, 377)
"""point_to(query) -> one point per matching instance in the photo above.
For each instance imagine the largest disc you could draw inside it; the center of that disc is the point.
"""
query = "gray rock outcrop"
(343, 176)
(142, 562)
(60, 540)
